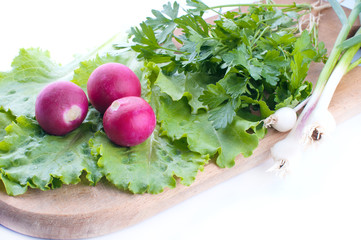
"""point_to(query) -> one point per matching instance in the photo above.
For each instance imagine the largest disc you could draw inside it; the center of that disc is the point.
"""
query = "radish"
(129, 121)
(61, 107)
(110, 82)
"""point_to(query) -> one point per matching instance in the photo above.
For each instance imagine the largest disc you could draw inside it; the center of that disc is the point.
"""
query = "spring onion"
(283, 120)
(315, 122)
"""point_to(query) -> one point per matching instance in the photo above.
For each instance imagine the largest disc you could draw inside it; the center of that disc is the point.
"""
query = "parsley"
(259, 54)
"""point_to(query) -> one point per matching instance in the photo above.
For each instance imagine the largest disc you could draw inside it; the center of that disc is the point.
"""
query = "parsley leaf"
(256, 54)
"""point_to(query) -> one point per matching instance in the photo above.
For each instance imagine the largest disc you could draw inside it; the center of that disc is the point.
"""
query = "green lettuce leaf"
(6, 117)
(31, 158)
(31, 71)
(12, 188)
(148, 167)
(240, 137)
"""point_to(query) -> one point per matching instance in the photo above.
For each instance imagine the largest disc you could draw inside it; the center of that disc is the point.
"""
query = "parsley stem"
(259, 36)
(303, 6)
(173, 50)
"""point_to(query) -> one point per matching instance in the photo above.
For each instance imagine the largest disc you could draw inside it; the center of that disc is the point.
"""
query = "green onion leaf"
(350, 42)
(339, 11)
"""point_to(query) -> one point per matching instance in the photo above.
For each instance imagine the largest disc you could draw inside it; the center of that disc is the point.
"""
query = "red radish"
(61, 107)
(129, 121)
(110, 82)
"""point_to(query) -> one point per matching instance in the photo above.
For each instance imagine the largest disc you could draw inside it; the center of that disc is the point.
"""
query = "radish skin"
(129, 121)
(109, 82)
(61, 107)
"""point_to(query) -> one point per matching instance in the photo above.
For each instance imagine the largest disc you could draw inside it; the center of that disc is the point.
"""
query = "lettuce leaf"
(148, 167)
(6, 117)
(31, 158)
(240, 137)
(31, 71)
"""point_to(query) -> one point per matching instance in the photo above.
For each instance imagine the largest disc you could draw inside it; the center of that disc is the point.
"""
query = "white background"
(319, 200)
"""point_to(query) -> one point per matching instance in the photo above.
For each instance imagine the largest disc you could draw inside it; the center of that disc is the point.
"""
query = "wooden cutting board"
(81, 211)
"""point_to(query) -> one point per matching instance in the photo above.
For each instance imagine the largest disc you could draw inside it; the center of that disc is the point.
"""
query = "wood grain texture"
(81, 211)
